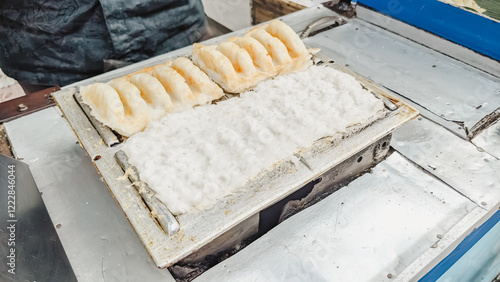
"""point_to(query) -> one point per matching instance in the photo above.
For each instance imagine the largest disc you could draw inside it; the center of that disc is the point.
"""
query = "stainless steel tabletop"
(97, 237)
(27, 234)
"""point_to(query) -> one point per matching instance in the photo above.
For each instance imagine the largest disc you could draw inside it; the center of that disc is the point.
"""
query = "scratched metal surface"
(35, 251)
(95, 234)
(457, 162)
(448, 88)
(375, 226)
(489, 140)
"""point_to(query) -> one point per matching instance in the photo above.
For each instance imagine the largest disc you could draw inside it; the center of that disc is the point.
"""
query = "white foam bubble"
(194, 158)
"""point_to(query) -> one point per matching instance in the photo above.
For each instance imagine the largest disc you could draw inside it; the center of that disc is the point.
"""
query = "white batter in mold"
(194, 158)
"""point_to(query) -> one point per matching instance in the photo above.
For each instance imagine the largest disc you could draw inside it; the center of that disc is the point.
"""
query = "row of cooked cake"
(127, 104)
(242, 62)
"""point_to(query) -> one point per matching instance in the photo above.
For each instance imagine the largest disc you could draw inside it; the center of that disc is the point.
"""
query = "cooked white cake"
(196, 157)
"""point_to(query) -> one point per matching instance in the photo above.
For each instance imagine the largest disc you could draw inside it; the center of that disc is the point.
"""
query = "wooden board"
(5, 148)
(265, 10)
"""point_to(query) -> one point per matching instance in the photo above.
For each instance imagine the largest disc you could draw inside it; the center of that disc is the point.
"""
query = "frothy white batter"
(193, 158)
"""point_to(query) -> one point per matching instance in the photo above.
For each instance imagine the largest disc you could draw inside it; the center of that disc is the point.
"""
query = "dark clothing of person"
(60, 42)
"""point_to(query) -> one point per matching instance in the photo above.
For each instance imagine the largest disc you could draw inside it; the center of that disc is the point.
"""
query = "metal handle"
(319, 22)
(158, 209)
(105, 132)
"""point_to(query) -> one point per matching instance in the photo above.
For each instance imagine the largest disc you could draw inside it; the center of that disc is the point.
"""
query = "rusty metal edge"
(34, 102)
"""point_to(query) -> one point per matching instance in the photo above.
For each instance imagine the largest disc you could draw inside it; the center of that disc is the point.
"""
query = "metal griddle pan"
(199, 228)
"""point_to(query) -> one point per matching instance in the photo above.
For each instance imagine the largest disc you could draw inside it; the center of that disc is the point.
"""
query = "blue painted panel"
(463, 27)
(477, 257)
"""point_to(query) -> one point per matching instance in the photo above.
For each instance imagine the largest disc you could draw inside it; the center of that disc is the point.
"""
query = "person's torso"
(48, 42)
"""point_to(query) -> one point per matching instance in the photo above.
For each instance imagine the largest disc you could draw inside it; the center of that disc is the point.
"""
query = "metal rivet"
(439, 236)
(22, 107)
(98, 157)
(480, 149)
(58, 225)
(484, 203)
(389, 275)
